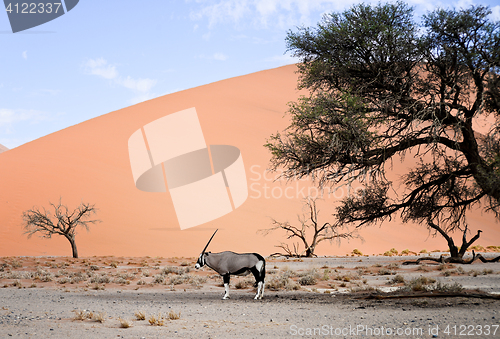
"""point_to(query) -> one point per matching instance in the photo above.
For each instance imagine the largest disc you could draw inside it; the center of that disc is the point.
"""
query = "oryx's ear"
(207, 253)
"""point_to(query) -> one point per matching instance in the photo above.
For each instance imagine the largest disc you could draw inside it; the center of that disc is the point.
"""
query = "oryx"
(229, 263)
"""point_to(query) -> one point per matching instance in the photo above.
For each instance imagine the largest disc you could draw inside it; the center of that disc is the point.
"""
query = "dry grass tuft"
(244, 283)
(419, 284)
(157, 320)
(282, 283)
(100, 317)
(140, 315)
(124, 323)
(82, 315)
(173, 316)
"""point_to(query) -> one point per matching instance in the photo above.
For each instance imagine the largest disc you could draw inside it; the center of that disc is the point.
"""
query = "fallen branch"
(453, 260)
(431, 295)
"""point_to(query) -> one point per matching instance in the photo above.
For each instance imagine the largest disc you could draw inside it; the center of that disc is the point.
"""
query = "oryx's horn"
(209, 241)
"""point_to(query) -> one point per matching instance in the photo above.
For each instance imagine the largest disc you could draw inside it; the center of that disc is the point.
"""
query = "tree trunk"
(73, 246)
(310, 251)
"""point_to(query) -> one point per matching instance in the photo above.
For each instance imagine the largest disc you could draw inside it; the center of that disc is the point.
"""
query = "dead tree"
(456, 254)
(61, 221)
(310, 228)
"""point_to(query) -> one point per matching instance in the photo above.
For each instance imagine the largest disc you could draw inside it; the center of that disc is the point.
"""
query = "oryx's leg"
(260, 290)
(226, 278)
(259, 280)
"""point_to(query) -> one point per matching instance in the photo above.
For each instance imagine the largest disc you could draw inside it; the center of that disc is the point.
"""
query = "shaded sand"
(89, 162)
(50, 309)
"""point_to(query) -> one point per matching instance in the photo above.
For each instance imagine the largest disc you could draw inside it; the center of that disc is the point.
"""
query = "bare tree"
(309, 224)
(456, 253)
(61, 221)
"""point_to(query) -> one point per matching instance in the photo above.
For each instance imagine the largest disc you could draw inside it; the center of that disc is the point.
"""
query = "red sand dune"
(89, 162)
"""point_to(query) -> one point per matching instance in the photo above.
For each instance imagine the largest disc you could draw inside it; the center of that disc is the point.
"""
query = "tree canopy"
(383, 86)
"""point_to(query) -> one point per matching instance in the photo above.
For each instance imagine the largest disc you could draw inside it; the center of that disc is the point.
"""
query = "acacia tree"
(310, 232)
(382, 87)
(61, 221)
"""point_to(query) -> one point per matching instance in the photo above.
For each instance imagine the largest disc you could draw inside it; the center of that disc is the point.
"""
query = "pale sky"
(109, 54)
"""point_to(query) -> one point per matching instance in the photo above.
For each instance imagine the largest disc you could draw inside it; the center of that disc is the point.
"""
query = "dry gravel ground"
(47, 310)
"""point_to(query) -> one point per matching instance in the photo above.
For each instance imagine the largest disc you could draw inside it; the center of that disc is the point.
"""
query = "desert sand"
(95, 297)
(89, 162)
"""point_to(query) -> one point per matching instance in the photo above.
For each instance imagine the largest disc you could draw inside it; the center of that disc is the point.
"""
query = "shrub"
(449, 288)
(393, 266)
(357, 252)
(326, 274)
(16, 264)
(177, 270)
(391, 252)
(288, 273)
(307, 280)
(420, 284)
(63, 280)
(159, 279)
(423, 268)
(241, 284)
(385, 271)
(122, 281)
(398, 279)
(347, 277)
(281, 282)
(179, 279)
(100, 279)
(197, 281)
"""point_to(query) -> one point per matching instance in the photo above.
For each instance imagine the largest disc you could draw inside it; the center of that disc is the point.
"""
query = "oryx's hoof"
(225, 297)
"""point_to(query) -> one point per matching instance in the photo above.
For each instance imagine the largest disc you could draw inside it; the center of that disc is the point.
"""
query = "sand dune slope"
(90, 162)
